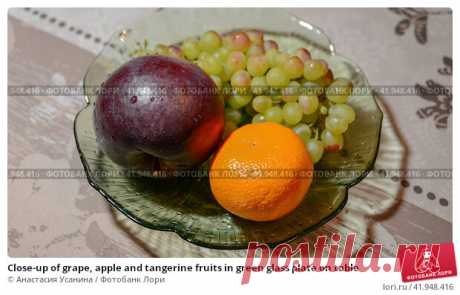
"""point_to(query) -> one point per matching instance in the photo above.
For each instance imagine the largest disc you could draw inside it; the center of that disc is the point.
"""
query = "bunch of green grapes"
(261, 83)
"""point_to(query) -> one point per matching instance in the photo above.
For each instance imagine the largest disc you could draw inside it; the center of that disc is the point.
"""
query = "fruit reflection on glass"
(265, 107)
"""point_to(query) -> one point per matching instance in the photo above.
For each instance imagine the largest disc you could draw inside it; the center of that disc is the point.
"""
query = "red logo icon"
(425, 262)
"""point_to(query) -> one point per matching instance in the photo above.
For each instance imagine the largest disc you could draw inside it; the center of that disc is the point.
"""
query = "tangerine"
(259, 172)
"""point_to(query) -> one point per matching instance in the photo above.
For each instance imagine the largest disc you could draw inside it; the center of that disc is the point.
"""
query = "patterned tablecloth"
(66, 217)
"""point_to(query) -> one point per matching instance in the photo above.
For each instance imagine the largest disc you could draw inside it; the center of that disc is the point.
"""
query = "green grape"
(257, 65)
(239, 41)
(270, 44)
(255, 50)
(256, 37)
(241, 80)
(336, 125)
(259, 118)
(277, 99)
(238, 101)
(314, 69)
(175, 51)
(162, 49)
(292, 113)
(315, 149)
(310, 88)
(217, 80)
(274, 114)
(201, 64)
(204, 55)
(325, 80)
(227, 41)
(339, 90)
(261, 103)
(302, 130)
(191, 49)
(290, 93)
(212, 66)
(309, 103)
(233, 115)
(303, 54)
(221, 54)
(343, 111)
(210, 41)
(311, 118)
(293, 67)
(277, 78)
(281, 59)
(226, 73)
(271, 54)
(332, 142)
(235, 61)
(258, 85)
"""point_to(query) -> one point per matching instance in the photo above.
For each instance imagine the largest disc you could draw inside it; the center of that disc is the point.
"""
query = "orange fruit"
(261, 172)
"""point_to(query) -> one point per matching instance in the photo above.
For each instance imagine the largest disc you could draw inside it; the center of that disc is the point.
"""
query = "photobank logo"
(415, 262)
(427, 262)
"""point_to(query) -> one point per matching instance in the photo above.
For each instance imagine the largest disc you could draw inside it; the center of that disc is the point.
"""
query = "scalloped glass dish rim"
(176, 229)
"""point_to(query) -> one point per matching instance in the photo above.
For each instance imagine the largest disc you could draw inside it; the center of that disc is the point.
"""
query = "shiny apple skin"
(158, 109)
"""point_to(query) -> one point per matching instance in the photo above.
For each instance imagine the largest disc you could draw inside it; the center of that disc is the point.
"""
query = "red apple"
(158, 109)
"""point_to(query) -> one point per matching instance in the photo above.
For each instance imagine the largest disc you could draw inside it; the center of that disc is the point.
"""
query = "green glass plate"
(186, 205)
